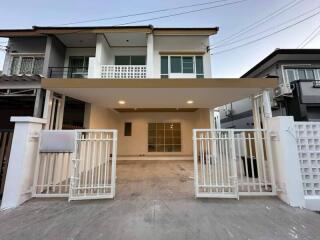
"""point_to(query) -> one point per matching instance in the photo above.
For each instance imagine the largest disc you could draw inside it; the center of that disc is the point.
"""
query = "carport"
(81, 164)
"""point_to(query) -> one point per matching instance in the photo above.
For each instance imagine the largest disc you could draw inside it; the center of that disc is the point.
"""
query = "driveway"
(155, 201)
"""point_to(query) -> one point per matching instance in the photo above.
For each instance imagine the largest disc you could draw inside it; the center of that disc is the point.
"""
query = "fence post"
(195, 159)
(114, 159)
(19, 180)
(270, 160)
(234, 162)
(286, 161)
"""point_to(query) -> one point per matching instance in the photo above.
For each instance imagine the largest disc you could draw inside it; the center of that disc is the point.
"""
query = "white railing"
(308, 141)
(229, 163)
(123, 71)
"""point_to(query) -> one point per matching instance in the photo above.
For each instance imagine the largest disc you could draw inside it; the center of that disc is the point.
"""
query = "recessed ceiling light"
(122, 102)
(190, 101)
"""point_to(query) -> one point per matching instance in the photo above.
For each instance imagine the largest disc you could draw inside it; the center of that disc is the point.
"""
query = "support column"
(150, 56)
(53, 110)
(215, 118)
(38, 104)
(261, 109)
(23, 154)
(286, 161)
(266, 104)
(47, 108)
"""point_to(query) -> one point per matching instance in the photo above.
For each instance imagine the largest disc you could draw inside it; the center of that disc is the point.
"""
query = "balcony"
(123, 71)
(68, 72)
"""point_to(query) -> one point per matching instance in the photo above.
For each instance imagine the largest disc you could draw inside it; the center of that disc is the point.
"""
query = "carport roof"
(159, 93)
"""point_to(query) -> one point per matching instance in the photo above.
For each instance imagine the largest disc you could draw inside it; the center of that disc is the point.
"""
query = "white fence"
(78, 164)
(229, 163)
(123, 71)
(52, 177)
(94, 165)
(308, 140)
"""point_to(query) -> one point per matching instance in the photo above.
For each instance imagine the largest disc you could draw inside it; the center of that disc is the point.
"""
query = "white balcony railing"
(123, 71)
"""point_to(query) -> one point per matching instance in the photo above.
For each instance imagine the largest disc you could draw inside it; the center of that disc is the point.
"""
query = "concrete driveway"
(155, 201)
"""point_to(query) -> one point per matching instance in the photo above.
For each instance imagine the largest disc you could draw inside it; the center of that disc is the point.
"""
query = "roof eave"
(40, 31)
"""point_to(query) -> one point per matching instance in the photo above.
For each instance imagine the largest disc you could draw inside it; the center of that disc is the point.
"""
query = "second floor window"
(293, 74)
(182, 65)
(26, 65)
(130, 60)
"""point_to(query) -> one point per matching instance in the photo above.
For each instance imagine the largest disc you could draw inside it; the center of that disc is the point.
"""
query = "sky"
(230, 19)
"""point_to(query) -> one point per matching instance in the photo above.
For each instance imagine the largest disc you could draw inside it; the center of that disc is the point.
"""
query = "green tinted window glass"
(122, 60)
(199, 67)
(199, 64)
(175, 64)
(164, 65)
(187, 63)
(138, 60)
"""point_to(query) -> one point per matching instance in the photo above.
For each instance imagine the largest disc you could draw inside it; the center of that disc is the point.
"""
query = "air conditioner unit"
(283, 90)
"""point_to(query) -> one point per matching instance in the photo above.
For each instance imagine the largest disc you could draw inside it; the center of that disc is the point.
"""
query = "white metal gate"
(232, 162)
(94, 165)
(214, 165)
(79, 164)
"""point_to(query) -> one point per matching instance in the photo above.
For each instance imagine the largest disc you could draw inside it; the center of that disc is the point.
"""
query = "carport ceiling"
(78, 40)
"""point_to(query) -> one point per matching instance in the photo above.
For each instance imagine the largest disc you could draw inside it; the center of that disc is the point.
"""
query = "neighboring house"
(297, 94)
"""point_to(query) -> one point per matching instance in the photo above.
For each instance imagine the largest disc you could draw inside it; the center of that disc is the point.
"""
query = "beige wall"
(96, 117)
(202, 118)
(137, 144)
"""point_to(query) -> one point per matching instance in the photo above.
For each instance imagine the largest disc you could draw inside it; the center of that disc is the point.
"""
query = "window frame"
(130, 60)
(20, 56)
(194, 66)
(81, 71)
(170, 142)
(296, 68)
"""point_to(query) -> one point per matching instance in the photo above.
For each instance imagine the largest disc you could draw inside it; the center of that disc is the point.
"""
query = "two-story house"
(297, 94)
(153, 84)
(151, 87)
